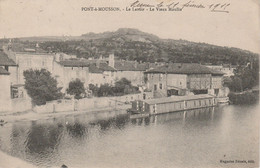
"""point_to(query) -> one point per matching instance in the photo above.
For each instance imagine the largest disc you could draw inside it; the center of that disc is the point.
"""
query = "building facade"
(183, 79)
(227, 69)
(27, 60)
(5, 90)
(70, 70)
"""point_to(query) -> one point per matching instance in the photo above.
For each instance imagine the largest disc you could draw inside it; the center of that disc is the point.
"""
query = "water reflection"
(76, 140)
(197, 115)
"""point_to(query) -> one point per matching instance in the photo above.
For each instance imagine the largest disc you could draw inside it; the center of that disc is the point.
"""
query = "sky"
(238, 28)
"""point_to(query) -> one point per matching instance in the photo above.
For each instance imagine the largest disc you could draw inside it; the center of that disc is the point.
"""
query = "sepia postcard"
(129, 83)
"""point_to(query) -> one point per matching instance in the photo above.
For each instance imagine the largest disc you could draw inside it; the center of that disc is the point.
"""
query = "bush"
(122, 87)
(244, 98)
(77, 89)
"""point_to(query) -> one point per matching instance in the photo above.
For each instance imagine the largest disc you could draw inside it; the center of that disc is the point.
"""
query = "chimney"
(135, 64)
(9, 45)
(98, 63)
(111, 61)
(36, 47)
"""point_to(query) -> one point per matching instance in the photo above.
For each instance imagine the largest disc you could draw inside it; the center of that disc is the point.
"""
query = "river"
(197, 138)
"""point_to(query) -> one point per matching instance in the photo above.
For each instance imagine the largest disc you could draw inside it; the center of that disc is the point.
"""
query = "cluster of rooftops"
(99, 66)
(121, 65)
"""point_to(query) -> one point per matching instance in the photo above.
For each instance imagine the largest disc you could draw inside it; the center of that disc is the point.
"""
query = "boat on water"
(171, 104)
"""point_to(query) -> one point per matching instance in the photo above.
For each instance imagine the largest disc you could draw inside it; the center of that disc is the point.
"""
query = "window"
(160, 77)
(155, 87)
(200, 103)
(160, 86)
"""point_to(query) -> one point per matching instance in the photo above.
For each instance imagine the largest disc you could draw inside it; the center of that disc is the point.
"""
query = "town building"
(108, 72)
(227, 69)
(131, 70)
(69, 70)
(9, 65)
(96, 75)
(5, 90)
(84, 70)
(114, 70)
(183, 79)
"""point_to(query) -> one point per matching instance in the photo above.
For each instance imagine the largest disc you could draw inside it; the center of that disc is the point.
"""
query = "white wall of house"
(109, 77)
(27, 61)
(177, 80)
(216, 82)
(73, 73)
(160, 82)
(136, 77)
(64, 75)
(156, 79)
(96, 79)
(5, 93)
(13, 70)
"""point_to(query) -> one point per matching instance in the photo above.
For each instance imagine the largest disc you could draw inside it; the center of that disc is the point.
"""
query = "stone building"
(5, 90)
(183, 79)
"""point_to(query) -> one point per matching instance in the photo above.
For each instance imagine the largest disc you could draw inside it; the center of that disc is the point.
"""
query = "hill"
(132, 44)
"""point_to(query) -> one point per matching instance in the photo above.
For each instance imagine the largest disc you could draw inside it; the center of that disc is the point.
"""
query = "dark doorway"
(155, 87)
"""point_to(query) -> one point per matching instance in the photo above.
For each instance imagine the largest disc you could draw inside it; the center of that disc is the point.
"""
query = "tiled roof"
(177, 98)
(74, 63)
(130, 66)
(102, 67)
(183, 68)
(94, 69)
(105, 67)
(3, 71)
(4, 60)
(216, 72)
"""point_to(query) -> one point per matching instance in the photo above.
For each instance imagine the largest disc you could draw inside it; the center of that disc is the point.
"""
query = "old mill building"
(184, 79)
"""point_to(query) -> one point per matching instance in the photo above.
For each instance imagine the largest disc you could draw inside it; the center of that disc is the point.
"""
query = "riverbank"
(247, 97)
(12, 162)
(31, 115)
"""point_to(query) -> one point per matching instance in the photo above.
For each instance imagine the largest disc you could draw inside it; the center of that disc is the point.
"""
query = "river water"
(197, 138)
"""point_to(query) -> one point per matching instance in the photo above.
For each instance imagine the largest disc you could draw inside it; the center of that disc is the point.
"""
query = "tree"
(235, 84)
(121, 84)
(105, 90)
(245, 77)
(41, 86)
(94, 89)
(76, 88)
